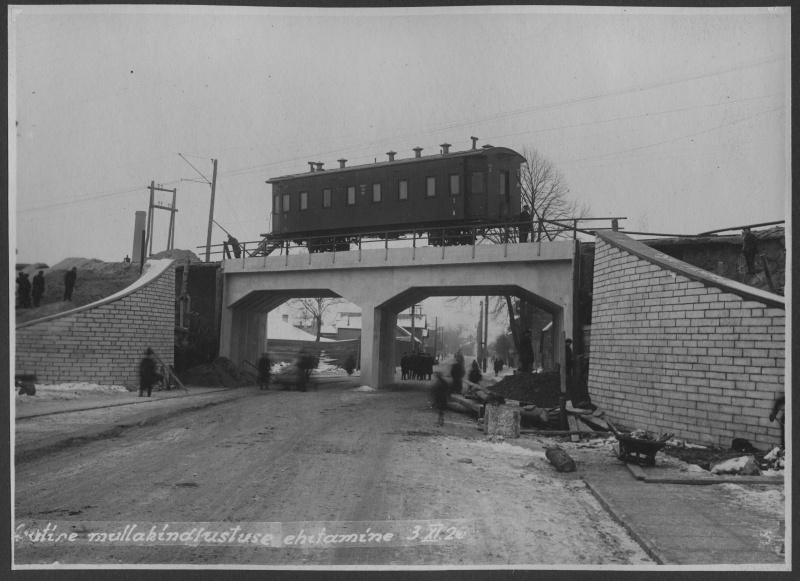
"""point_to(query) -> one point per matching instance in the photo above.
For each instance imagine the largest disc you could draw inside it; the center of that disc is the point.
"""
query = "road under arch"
(387, 281)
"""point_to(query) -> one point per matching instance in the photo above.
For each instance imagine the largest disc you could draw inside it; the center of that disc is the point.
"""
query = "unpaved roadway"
(335, 456)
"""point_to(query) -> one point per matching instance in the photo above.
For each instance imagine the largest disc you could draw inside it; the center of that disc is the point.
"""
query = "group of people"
(27, 290)
(30, 293)
(416, 366)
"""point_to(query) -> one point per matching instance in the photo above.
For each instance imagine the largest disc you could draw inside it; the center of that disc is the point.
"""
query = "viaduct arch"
(384, 282)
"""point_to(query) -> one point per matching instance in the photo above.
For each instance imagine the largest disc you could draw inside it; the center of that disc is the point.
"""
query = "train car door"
(476, 192)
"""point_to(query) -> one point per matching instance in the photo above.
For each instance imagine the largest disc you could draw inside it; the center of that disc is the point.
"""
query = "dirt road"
(318, 463)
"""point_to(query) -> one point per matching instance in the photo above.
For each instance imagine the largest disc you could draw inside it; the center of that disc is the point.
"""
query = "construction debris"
(744, 465)
(560, 459)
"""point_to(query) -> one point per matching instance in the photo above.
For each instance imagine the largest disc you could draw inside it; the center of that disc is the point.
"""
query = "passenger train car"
(422, 193)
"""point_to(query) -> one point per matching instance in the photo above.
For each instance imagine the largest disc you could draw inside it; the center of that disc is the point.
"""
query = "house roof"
(279, 329)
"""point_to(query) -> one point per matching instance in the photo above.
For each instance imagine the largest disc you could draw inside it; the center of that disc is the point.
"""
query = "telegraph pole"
(413, 339)
(435, 336)
(486, 333)
(211, 212)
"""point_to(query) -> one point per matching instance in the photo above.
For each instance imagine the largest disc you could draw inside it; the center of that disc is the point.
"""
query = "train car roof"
(467, 153)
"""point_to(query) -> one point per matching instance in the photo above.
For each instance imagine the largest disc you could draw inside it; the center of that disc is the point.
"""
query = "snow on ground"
(514, 479)
(62, 391)
(767, 499)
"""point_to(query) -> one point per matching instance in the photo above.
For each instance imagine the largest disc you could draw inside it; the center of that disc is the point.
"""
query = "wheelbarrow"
(638, 450)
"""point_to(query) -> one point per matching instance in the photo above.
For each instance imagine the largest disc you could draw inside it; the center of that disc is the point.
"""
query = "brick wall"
(678, 349)
(103, 342)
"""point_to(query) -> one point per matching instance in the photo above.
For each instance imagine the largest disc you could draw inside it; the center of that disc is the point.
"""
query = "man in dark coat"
(69, 282)
(439, 394)
(404, 366)
(264, 371)
(38, 288)
(779, 413)
(526, 351)
(498, 365)
(749, 249)
(235, 247)
(24, 289)
(147, 373)
(524, 223)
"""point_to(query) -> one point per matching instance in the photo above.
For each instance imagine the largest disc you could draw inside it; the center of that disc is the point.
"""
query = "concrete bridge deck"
(384, 282)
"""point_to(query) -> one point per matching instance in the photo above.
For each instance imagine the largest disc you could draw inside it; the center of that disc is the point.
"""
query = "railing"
(443, 236)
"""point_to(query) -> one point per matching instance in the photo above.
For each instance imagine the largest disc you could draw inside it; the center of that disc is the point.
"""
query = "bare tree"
(314, 309)
(545, 190)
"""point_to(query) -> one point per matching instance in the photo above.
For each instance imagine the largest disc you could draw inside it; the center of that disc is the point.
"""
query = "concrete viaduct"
(384, 282)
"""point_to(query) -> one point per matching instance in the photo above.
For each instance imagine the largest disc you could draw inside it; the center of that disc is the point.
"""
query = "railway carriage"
(437, 195)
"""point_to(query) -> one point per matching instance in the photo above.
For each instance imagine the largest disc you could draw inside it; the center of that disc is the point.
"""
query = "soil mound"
(181, 256)
(541, 389)
(221, 373)
(96, 280)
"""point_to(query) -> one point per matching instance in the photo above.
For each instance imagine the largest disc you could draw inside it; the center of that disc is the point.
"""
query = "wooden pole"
(171, 241)
(168, 370)
(148, 237)
(211, 212)
(485, 333)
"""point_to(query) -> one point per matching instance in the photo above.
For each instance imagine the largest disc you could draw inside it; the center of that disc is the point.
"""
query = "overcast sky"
(675, 119)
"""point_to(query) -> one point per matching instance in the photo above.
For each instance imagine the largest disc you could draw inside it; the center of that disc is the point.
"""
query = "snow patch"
(769, 500)
(364, 388)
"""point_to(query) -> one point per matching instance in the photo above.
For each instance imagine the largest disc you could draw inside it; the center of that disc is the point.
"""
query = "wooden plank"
(560, 433)
(168, 370)
(594, 422)
(573, 427)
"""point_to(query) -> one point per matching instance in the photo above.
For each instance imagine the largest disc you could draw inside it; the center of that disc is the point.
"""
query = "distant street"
(322, 461)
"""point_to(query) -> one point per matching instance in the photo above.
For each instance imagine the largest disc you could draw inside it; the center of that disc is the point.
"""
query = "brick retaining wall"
(678, 349)
(103, 342)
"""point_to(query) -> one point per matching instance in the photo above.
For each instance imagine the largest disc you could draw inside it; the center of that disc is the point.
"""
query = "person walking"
(264, 371)
(69, 282)
(779, 413)
(37, 291)
(147, 373)
(440, 392)
(524, 223)
(526, 351)
(498, 365)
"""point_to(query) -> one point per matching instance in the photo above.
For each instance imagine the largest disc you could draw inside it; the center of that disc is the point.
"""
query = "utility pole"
(147, 240)
(479, 336)
(413, 338)
(211, 212)
(485, 333)
(153, 206)
(435, 336)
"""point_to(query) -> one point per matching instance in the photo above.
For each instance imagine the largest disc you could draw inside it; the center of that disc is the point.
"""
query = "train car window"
(376, 193)
(286, 198)
(504, 192)
(276, 205)
(402, 189)
(351, 195)
(326, 198)
(477, 182)
(431, 187)
(455, 184)
(304, 200)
